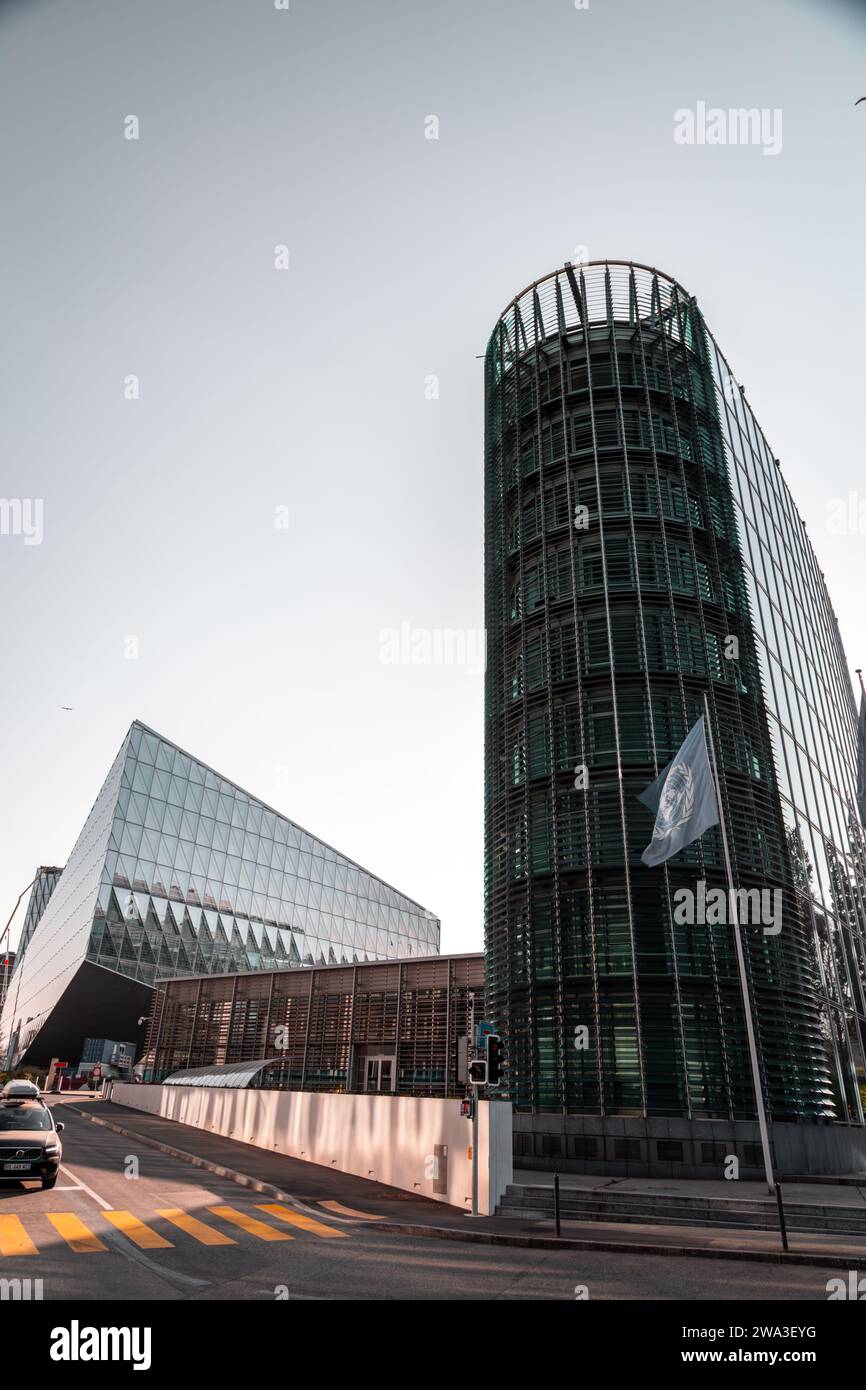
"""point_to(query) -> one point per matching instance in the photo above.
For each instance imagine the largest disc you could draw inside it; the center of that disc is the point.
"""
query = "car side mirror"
(60, 1125)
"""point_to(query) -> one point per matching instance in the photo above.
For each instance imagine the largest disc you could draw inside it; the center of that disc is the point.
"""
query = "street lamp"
(17, 905)
(2, 934)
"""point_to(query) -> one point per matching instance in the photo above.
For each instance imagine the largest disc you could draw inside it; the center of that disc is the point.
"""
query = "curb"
(627, 1247)
(539, 1242)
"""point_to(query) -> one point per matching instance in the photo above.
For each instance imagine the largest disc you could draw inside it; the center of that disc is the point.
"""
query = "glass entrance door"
(379, 1074)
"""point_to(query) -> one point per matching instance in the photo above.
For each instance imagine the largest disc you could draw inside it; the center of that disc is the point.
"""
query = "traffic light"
(494, 1059)
(478, 1073)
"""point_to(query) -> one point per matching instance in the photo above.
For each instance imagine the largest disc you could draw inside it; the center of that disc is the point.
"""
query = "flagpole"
(741, 962)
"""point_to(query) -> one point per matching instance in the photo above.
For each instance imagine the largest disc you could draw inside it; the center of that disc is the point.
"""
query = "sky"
(241, 397)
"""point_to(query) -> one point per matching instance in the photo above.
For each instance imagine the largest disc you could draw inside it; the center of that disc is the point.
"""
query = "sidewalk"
(404, 1213)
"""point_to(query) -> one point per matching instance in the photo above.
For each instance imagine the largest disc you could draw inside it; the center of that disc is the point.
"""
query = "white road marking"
(100, 1201)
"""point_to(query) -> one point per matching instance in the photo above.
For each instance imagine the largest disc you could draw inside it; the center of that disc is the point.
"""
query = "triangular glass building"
(177, 871)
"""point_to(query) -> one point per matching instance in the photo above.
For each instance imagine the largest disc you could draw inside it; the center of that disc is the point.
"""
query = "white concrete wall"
(390, 1139)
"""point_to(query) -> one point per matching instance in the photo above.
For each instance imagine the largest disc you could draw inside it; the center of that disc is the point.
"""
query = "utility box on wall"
(440, 1169)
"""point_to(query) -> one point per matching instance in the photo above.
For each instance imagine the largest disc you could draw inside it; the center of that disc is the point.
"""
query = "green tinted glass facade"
(636, 522)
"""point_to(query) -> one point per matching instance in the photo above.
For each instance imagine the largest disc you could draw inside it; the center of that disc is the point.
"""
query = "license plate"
(16, 1167)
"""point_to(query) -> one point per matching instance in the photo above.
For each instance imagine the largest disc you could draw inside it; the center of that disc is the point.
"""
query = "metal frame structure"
(323, 1023)
(606, 391)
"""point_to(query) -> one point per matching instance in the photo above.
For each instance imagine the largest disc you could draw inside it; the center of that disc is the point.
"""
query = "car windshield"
(24, 1117)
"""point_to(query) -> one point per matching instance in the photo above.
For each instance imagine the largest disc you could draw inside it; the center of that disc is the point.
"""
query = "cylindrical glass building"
(642, 549)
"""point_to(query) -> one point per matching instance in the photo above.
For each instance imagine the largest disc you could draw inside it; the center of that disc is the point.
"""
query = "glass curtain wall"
(636, 522)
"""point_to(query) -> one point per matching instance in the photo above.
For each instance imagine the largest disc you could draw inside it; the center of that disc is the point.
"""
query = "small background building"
(113, 1058)
(7, 965)
(389, 1026)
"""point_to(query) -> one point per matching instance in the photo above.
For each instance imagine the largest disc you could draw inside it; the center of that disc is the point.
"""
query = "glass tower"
(177, 871)
(43, 886)
(642, 549)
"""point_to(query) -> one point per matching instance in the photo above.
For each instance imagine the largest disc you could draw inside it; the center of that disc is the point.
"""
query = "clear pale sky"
(304, 389)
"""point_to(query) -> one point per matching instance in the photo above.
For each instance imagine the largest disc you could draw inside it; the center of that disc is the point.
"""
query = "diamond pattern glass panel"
(179, 872)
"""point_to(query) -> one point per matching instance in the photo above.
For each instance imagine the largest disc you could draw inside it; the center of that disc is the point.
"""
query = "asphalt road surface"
(173, 1231)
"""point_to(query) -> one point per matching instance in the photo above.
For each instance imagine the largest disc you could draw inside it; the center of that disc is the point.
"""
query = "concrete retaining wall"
(405, 1141)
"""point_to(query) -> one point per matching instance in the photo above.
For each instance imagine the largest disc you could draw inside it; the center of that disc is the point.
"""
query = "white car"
(20, 1090)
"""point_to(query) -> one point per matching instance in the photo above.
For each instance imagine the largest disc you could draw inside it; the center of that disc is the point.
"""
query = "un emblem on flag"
(676, 802)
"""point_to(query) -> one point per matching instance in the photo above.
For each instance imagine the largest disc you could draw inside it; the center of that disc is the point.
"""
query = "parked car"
(30, 1146)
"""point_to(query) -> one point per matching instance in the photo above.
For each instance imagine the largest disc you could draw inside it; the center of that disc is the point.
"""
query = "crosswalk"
(28, 1237)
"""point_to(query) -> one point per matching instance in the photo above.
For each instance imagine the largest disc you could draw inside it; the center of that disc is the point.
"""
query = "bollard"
(556, 1201)
(781, 1216)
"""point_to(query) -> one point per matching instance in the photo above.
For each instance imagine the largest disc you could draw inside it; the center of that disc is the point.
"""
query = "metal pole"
(475, 1102)
(556, 1202)
(781, 1216)
(15, 908)
(741, 963)
(13, 1033)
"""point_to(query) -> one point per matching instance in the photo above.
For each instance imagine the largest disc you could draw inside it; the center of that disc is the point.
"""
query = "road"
(173, 1231)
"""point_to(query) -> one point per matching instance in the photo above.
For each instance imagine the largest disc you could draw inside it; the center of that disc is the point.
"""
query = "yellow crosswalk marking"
(250, 1224)
(14, 1240)
(136, 1231)
(306, 1223)
(339, 1210)
(207, 1235)
(75, 1233)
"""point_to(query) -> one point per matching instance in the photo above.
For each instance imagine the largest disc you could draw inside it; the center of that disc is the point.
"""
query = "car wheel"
(48, 1182)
